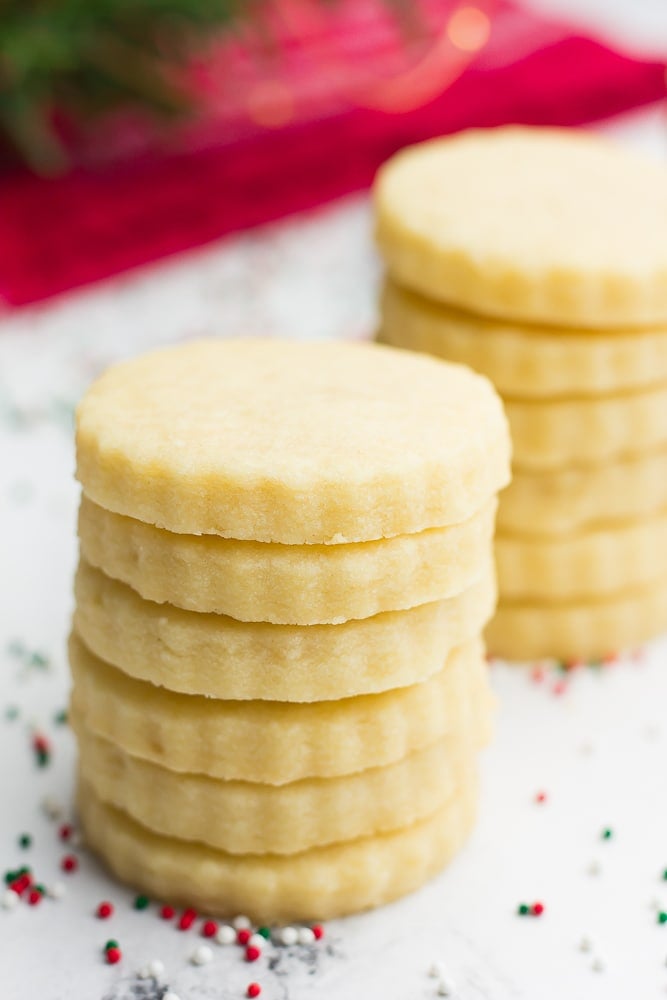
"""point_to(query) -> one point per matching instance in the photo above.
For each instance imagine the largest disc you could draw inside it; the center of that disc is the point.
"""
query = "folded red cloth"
(231, 174)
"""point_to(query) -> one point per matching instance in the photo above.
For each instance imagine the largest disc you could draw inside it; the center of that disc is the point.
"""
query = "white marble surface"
(599, 750)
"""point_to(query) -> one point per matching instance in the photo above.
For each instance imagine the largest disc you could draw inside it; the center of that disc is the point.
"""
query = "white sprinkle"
(52, 807)
(241, 923)
(437, 970)
(226, 934)
(9, 899)
(143, 972)
(75, 839)
(586, 943)
(156, 968)
(654, 903)
(56, 891)
(599, 964)
(306, 935)
(202, 955)
(446, 987)
(289, 935)
(256, 941)
(595, 868)
(170, 995)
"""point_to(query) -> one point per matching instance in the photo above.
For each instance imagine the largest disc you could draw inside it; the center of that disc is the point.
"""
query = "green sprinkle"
(10, 876)
(523, 909)
(25, 841)
(265, 932)
(38, 659)
(664, 875)
(11, 713)
(662, 917)
(111, 943)
(141, 902)
(607, 833)
(24, 870)
(60, 718)
(40, 888)
(16, 648)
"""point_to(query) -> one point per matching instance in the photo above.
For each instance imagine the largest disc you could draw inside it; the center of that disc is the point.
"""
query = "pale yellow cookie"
(578, 630)
(281, 441)
(275, 742)
(244, 817)
(287, 584)
(570, 499)
(525, 360)
(556, 432)
(581, 565)
(540, 224)
(321, 883)
(217, 656)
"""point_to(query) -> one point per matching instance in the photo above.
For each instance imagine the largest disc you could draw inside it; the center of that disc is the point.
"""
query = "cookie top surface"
(291, 442)
(549, 225)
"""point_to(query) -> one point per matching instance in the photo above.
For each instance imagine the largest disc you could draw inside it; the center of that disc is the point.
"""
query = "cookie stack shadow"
(535, 257)
(283, 725)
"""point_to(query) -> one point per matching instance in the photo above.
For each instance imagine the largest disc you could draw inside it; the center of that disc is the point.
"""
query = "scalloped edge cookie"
(219, 657)
(321, 883)
(287, 584)
(291, 442)
(275, 742)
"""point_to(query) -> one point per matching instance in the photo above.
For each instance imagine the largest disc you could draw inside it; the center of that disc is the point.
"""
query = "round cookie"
(537, 224)
(525, 360)
(287, 584)
(557, 432)
(274, 742)
(321, 883)
(578, 630)
(583, 565)
(243, 817)
(220, 657)
(572, 498)
(281, 441)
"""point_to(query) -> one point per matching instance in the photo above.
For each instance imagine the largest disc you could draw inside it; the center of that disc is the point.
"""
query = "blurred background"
(131, 130)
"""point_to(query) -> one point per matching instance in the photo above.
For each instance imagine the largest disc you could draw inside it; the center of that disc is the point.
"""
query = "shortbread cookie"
(244, 817)
(586, 564)
(525, 360)
(287, 584)
(321, 883)
(573, 498)
(544, 225)
(274, 742)
(556, 432)
(217, 656)
(578, 630)
(281, 441)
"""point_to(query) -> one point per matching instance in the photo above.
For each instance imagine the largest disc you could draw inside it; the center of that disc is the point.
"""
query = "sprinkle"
(241, 922)
(104, 910)
(289, 935)
(243, 936)
(141, 902)
(60, 718)
(252, 953)
(11, 713)
(664, 875)
(318, 932)
(52, 807)
(537, 909)
(265, 932)
(253, 990)
(560, 687)
(586, 943)
(25, 841)
(55, 891)
(156, 968)
(257, 940)
(111, 943)
(523, 909)
(69, 863)
(76, 840)
(42, 749)
(209, 929)
(9, 899)
(537, 674)
(607, 833)
(306, 935)
(65, 831)
(598, 964)
(202, 955)
(541, 797)
(34, 897)
(113, 955)
(170, 995)
(662, 917)
(446, 987)
(167, 912)
(225, 935)
(188, 918)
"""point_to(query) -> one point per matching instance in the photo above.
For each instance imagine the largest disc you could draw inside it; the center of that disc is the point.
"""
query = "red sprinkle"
(188, 918)
(537, 909)
(318, 931)
(541, 797)
(35, 897)
(210, 928)
(252, 953)
(243, 936)
(65, 831)
(69, 863)
(254, 989)
(560, 687)
(20, 884)
(537, 674)
(167, 912)
(40, 743)
(104, 910)
(113, 955)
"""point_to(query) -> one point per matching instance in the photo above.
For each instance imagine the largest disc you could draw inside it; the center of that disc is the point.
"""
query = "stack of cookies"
(539, 258)
(286, 566)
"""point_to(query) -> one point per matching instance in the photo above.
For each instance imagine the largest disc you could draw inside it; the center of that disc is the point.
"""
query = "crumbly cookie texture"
(576, 498)
(539, 224)
(243, 817)
(220, 657)
(525, 360)
(275, 742)
(281, 441)
(287, 584)
(585, 564)
(578, 629)
(549, 433)
(320, 883)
